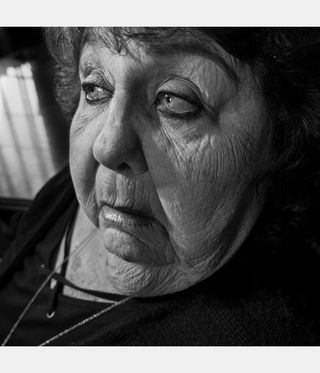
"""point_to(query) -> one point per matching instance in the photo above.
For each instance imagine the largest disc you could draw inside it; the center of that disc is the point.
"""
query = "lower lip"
(116, 218)
(132, 237)
(119, 225)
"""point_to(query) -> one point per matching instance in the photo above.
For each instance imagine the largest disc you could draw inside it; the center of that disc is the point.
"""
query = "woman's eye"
(95, 94)
(173, 105)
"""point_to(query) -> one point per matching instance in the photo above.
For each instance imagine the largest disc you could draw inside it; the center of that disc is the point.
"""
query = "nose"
(117, 145)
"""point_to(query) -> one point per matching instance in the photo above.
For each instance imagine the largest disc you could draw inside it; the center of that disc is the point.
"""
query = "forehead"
(161, 42)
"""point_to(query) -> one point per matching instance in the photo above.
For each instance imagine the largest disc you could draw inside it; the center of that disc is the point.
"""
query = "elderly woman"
(188, 215)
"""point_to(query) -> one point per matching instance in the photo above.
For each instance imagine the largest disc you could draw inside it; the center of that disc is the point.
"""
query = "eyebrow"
(193, 47)
(197, 49)
(88, 63)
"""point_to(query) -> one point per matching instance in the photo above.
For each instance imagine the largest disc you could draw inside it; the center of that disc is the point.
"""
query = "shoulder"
(51, 201)
(242, 304)
(52, 198)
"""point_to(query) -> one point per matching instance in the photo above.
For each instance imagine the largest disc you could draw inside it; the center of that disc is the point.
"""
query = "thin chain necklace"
(42, 286)
(85, 321)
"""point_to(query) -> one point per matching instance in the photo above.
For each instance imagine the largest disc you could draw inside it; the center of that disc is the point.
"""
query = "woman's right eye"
(95, 94)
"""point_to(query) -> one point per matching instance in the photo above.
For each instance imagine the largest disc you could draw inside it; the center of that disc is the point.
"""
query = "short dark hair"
(288, 63)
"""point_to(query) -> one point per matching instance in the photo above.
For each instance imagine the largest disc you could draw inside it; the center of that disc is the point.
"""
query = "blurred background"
(33, 133)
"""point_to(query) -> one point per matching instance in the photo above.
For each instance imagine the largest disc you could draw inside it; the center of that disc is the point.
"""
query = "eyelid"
(177, 83)
(99, 83)
(91, 69)
(173, 113)
(105, 87)
(86, 85)
(96, 76)
(181, 96)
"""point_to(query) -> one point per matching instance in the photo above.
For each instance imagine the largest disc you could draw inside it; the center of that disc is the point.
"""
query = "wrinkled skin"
(181, 188)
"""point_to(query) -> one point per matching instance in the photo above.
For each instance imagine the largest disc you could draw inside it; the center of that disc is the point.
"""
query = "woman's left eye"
(94, 93)
(175, 106)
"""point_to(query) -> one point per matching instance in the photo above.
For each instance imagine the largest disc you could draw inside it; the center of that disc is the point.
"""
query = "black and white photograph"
(160, 186)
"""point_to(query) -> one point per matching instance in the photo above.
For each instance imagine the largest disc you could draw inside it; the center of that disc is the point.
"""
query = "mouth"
(133, 212)
(132, 235)
(125, 217)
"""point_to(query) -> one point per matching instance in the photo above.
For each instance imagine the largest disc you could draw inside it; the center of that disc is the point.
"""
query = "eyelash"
(186, 115)
(89, 87)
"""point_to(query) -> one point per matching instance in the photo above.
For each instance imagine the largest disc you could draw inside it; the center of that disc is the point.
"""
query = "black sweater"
(255, 299)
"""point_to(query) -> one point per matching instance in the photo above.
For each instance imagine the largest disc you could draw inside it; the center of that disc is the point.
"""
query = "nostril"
(123, 166)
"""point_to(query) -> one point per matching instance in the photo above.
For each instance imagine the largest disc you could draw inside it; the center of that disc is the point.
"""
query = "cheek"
(184, 172)
(83, 167)
(179, 163)
(199, 176)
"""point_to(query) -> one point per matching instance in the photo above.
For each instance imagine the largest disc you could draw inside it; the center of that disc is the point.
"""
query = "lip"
(129, 211)
(132, 235)
(124, 217)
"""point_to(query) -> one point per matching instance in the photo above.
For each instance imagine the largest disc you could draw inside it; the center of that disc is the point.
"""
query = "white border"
(160, 359)
(159, 13)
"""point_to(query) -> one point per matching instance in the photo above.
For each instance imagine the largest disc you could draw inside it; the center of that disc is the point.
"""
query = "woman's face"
(166, 149)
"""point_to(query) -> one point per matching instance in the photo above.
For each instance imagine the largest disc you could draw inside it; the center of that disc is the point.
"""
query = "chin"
(138, 280)
(132, 279)
(129, 248)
